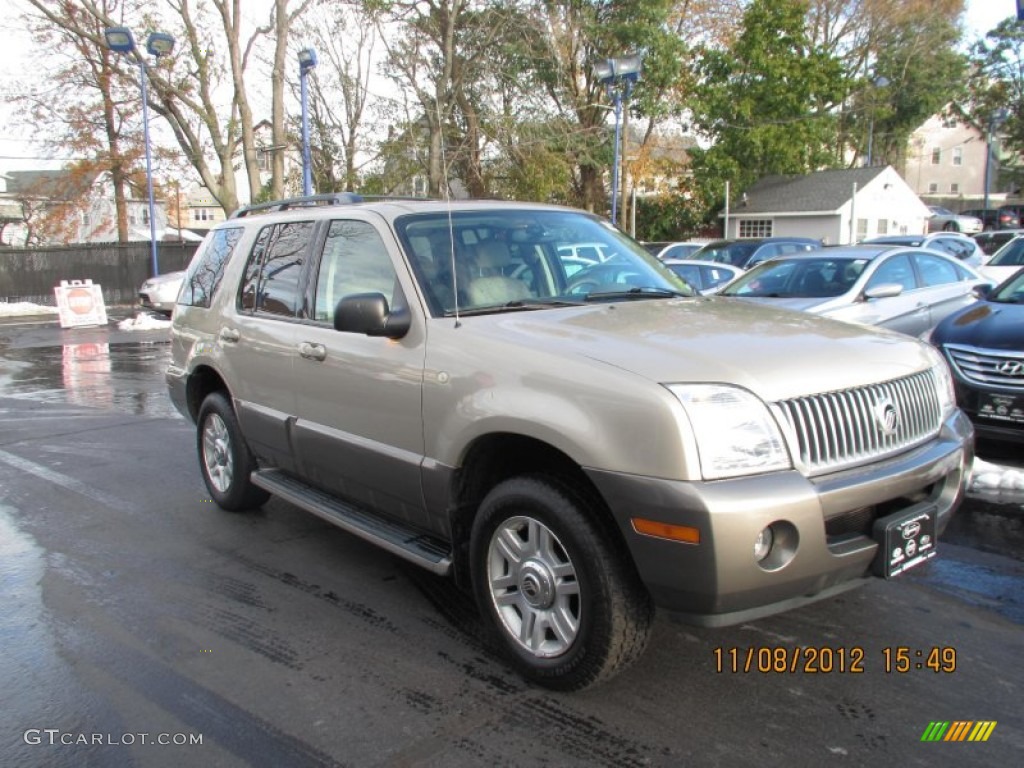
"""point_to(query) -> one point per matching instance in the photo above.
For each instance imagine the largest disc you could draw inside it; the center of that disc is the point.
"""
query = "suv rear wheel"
(224, 457)
(567, 606)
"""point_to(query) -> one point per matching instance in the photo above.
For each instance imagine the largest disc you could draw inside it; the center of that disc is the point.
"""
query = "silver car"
(161, 292)
(572, 445)
(945, 220)
(903, 289)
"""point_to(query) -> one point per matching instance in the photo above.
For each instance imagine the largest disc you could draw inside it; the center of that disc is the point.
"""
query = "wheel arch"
(201, 382)
(493, 458)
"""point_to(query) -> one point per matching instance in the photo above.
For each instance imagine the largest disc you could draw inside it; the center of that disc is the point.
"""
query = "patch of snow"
(24, 309)
(143, 322)
(987, 476)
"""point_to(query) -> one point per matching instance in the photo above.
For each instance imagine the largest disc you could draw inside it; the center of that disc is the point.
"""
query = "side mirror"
(883, 291)
(368, 313)
(983, 290)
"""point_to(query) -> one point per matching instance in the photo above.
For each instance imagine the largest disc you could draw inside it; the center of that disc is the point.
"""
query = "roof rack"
(307, 201)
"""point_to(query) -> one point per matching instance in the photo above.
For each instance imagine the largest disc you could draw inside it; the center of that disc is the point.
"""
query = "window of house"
(883, 226)
(862, 228)
(936, 155)
(755, 228)
(958, 155)
(933, 188)
(954, 188)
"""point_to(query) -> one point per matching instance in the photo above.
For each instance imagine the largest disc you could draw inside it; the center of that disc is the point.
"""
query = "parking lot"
(146, 627)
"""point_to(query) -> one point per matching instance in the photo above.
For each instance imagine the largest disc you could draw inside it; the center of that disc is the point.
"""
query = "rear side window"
(273, 275)
(936, 271)
(207, 267)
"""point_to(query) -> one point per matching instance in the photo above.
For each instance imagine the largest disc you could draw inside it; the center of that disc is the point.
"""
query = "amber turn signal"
(682, 533)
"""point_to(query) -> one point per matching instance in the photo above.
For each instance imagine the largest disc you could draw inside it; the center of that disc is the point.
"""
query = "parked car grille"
(840, 429)
(988, 367)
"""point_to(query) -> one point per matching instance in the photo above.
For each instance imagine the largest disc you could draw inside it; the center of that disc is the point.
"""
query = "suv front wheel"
(566, 604)
(224, 457)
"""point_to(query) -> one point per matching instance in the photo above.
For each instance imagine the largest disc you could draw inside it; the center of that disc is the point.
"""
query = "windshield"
(514, 259)
(1010, 255)
(798, 278)
(1010, 292)
(735, 254)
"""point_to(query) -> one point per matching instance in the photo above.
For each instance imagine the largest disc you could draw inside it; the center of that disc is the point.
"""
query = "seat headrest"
(492, 254)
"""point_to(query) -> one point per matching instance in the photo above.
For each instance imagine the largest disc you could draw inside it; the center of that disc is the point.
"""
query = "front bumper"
(718, 581)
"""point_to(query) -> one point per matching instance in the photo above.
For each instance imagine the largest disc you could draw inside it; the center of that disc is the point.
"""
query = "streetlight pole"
(995, 120)
(618, 75)
(307, 60)
(121, 40)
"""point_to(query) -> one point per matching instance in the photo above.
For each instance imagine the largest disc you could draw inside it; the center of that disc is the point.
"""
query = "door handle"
(312, 351)
(229, 335)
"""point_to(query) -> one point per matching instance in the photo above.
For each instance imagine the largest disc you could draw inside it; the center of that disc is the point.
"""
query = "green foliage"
(767, 102)
(997, 86)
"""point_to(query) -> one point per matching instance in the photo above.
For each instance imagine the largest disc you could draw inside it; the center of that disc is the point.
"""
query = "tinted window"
(962, 249)
(1010, 255)
(355, 260)
(895, 269)
(274, 270)
(207, 267)
(936, 271)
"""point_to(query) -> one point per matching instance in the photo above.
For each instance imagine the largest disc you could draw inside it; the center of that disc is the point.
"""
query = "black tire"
(224, 457)
(567, 579)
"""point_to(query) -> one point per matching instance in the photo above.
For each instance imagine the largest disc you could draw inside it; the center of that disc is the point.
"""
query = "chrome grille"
(840, 429)
(990, 367)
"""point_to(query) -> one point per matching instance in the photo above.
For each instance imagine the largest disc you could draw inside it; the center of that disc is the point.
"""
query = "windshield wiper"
(517, 304)
(637, 292)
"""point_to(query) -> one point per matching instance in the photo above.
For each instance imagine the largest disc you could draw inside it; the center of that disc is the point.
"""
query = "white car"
(1005, 261)
(943, 219)
(703, 276)
(160, 293)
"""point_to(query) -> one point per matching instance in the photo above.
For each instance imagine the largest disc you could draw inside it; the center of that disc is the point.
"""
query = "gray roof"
(819, 191)
(52, 184)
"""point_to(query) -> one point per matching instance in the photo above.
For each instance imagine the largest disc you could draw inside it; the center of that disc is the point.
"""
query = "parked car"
(994, 218)
(904, 289)
(1005, 261)
(703, 276)
(161, 292)
(571, 449)
(992, 240)
(745, 253)
(984, 344)
(673, 250)
(943, 219)
(962, 247)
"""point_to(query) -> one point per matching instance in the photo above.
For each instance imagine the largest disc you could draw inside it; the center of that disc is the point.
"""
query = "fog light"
(763, 544)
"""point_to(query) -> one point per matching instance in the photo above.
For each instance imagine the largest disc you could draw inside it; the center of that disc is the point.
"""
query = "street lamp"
(121, 40)
(879, 82)
(995, 120)
(307, 60)
(618, 75)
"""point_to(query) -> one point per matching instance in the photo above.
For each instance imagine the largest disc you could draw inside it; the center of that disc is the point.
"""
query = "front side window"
(273, 274)
(355, 260)
(207, 267)
(896, 269)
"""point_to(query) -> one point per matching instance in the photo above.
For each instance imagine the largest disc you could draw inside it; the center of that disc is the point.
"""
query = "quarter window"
(355, 260)
(274, 271)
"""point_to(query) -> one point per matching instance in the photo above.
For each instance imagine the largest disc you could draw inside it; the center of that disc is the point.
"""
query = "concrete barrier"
(30, 274)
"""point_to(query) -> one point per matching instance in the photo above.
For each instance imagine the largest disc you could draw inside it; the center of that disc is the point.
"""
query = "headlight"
(735, 433)
(943, 382)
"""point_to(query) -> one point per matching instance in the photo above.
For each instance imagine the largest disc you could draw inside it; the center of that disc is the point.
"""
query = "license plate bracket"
(905, 540)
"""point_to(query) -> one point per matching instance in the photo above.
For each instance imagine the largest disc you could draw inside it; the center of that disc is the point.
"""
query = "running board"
(404, 541)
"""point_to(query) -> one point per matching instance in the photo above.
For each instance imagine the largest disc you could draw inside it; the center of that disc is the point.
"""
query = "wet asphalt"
(134, 610)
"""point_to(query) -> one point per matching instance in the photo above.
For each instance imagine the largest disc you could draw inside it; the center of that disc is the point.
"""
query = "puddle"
(122, 377)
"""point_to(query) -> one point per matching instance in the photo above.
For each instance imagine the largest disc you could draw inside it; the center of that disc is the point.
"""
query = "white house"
(838, 206)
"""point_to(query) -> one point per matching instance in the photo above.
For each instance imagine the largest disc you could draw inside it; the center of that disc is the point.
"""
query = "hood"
(775, 353)
(986, 324)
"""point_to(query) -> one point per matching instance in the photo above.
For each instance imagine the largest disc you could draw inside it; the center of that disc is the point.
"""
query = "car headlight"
(735, 432)
(943, 382)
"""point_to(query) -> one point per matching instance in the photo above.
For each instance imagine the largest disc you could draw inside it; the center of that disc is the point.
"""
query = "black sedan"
(984, 344)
